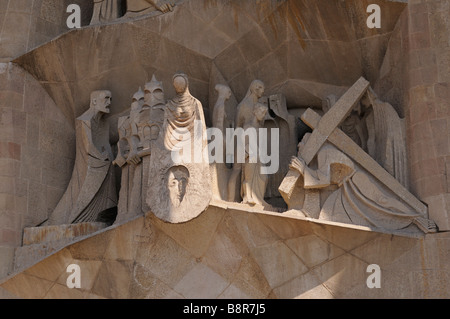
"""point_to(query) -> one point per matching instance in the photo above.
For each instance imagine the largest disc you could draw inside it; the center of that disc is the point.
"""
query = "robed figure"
(179, 180)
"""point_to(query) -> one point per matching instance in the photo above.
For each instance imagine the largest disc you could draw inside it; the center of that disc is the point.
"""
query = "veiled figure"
(180, 116)
(182, 147)
(386, 137)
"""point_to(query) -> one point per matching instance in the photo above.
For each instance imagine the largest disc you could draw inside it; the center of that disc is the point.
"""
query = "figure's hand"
(164, 6)
(297, 164)
(133, 158)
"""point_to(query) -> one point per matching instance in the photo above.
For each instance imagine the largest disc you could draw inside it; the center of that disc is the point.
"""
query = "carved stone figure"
(254, 183)
(244, 117)
(352, 125)
(219, 169)
(106, 11)
(138, 132)
(179, 182)
(220, 119)
(366, 193)
(386, 136)
(92, 189)
(359, 199)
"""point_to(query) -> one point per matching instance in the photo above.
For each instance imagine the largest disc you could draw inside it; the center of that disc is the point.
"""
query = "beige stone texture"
(243, 253)
(36, 154)
(141, 259)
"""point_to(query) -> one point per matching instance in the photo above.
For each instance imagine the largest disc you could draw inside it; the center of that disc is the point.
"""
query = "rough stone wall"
(230, 253)
(26, 24)
(37, 147)
(428, 105)
(36, 141)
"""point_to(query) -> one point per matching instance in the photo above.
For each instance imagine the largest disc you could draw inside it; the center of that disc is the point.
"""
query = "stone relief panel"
(153, 130)
(340, 182)
(166, 168)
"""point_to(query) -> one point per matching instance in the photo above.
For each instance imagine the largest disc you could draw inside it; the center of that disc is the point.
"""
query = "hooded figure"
(182, 147)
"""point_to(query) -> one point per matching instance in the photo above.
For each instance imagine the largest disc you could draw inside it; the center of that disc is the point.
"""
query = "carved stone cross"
(326, 129)
(331, 120)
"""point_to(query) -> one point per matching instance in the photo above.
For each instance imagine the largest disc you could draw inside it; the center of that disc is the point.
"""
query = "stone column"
(428, 105)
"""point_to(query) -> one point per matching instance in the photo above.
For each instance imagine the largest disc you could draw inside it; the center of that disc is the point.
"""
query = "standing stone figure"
(138, 132)
(254, 183)
(179, 182)
(92, 189)
(244, 118)
(386, 136)
(219, 170)
(220, 119)
(106, 11)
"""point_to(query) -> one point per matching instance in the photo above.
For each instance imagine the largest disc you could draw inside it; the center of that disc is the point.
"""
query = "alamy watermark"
(74, 279)
(374, 279)
(235, 145)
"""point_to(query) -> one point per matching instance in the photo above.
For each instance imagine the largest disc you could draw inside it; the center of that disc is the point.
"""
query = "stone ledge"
(298, 215)
(38, 235)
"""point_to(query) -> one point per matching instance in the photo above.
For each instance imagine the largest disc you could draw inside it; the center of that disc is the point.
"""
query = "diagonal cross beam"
(333, 118)
(349, 147)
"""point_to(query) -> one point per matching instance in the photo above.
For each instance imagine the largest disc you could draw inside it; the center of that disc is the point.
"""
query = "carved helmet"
(154, 93)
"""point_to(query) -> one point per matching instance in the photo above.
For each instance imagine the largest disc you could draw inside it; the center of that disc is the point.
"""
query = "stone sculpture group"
(351, 169)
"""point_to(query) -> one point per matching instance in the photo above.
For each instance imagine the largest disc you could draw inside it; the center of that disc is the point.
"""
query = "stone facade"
(303, 51)
(229, 253)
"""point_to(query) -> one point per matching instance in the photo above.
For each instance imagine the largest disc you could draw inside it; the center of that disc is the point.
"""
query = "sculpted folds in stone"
(179, 182)
(92, 189)
(340, 182)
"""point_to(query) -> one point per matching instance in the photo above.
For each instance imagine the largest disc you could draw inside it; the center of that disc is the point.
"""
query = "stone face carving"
(341, 182)
(179, 182)
(92, 189)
